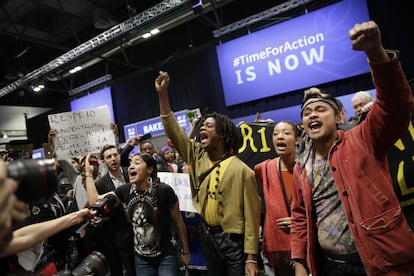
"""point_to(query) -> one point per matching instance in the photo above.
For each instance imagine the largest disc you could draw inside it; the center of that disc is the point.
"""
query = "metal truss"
(94, 43)
(90, 84)
(284, 7)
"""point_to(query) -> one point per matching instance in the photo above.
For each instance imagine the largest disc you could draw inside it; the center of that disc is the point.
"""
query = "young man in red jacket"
(346, 218)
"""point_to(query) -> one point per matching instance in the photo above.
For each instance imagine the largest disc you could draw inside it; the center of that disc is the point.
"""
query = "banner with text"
(257, 143)
(299, 53)
(81, 132)
(180, 182)
(155, 127)
(401, 161)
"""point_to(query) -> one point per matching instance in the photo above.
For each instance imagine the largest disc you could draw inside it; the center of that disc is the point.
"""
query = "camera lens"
(36, 178)
(94, 264)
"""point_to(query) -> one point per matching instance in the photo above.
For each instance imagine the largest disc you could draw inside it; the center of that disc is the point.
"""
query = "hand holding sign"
(78, 133)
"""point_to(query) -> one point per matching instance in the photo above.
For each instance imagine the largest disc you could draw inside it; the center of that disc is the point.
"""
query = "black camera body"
(103, 206)
(145, 137)
(36, 178)
(95, 264)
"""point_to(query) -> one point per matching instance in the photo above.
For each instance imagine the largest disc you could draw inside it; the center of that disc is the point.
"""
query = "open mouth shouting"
(315, 126)
(203, 138)
(280, 146)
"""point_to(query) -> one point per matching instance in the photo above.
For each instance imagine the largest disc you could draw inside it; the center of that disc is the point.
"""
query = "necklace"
(282, 183)
(141, 195)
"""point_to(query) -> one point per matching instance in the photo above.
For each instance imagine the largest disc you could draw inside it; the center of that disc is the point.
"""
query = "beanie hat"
(164, 149)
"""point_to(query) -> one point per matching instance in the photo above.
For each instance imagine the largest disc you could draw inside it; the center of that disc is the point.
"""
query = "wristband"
(251, 261)
(88, 175)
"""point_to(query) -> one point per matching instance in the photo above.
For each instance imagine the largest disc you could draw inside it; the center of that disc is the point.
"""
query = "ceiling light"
(155, 31)
(75, 69)
(152, 32)
(37, 88)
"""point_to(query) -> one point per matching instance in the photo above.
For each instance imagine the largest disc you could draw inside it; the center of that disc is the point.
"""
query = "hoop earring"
(149, 181)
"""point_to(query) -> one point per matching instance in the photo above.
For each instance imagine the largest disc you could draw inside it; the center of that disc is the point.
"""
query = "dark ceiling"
(34, 33)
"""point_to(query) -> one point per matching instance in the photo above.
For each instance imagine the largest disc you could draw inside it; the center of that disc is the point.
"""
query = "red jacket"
(358, 163)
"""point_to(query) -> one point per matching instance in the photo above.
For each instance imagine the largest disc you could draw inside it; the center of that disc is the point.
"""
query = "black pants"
(223, 252)
(330, 267)
(120, 258)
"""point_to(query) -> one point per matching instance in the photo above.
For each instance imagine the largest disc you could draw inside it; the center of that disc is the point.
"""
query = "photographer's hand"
(27, 236)
(12, 210)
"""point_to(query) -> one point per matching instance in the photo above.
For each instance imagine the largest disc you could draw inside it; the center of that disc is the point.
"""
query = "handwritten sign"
(180, 182)
(81, 132)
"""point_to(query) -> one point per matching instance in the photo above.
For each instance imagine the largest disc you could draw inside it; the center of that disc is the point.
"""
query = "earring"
(149, 181)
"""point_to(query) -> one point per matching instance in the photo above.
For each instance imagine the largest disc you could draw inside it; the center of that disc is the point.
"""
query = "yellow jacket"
(239, 203)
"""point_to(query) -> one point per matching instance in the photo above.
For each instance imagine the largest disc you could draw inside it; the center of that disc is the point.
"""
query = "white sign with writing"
(180, 182)
(81, 132)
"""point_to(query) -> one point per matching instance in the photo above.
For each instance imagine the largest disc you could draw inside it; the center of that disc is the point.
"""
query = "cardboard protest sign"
(81, 132)
(180, 182)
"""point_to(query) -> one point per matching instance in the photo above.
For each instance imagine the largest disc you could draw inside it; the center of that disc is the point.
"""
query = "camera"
(36, 178)
(145, 137)
(95, 264)
(103, 206)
